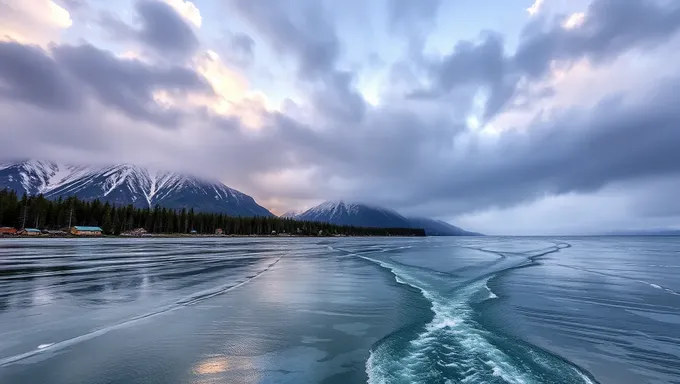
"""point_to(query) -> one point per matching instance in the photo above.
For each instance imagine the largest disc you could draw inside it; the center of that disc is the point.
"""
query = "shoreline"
(177, 236)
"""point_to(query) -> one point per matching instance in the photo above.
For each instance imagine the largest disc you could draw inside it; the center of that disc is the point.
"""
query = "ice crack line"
(190, 300)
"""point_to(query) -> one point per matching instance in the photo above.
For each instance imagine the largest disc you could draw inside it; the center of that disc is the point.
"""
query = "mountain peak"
(124, 184)
(341, 212)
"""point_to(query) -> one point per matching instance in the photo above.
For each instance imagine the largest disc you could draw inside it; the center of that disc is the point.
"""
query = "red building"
(8, 231)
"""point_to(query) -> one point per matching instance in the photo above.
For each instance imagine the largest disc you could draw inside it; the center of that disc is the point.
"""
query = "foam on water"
(455, 347)
(491, 294)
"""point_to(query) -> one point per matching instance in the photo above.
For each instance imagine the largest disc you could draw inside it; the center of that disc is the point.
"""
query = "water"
(378, 310)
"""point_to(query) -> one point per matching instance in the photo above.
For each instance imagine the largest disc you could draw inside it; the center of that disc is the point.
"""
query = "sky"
(509, 117)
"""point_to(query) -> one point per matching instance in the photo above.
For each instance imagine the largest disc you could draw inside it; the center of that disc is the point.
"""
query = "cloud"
(129, 84)
(619, 206)
(304, 31)
(34, 22)
(164, 29)
(413, 20)
(30, 75)
(238, 49)
(574, 20)
(535, 7)
(188, 10)
(161, 28)
(405, 14)
(612, 28)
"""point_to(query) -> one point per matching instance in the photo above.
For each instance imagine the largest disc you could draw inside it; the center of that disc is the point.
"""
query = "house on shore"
(8, 231)
(219, 231)
(86, 231)
(30, 232)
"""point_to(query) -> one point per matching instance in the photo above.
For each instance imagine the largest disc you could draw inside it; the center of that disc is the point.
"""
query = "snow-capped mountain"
(125, 184)
(290, 215)
(31, 177)
(356, 214)
(363, 215)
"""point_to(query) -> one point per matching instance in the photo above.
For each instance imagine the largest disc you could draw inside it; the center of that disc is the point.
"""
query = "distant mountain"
(125, 184)
(355, 214)
(439, 227)
(290, 215)
(363, 215)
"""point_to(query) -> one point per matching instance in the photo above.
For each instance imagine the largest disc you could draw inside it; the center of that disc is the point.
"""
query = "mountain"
(355, 214)
(363, 215)
(125, 184)
(290, 215)
(30, 177)
(439, 227)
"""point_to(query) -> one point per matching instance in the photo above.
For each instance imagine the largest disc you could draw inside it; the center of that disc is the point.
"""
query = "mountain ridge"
(341, 212)
(125, 184)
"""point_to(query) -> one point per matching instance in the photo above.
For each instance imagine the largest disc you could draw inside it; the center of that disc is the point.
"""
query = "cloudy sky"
(503, 116)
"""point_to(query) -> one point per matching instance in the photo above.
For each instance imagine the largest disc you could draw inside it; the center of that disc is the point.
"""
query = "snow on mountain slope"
(125, 184)
(363, 215)
(120, 184)
(356, 214)
(30, 176)
(290, 215)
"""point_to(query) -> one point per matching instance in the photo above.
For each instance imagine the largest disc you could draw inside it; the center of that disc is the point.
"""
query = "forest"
(39, 212)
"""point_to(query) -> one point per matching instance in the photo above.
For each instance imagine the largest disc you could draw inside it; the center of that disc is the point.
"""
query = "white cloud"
(535, 7)
(574, 20)
(34, 21)
(188, 10)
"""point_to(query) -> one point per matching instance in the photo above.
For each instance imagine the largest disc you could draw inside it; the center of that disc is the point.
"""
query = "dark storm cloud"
(300, 29)
(161, 28)
(403, 160)
(60, 81)
(610, 28)
(580, 150)
(128, 85)
(305, 31)
(28, 74)
(164, 29)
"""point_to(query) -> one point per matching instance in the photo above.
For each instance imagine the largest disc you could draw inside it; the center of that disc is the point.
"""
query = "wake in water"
(455, 347)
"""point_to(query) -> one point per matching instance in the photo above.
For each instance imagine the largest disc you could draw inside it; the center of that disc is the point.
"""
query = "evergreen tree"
(42, 213)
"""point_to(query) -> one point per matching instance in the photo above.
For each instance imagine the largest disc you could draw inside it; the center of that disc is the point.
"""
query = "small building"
(219, 231)
(86, 231)
(8, 231)
(30, 232)
(193, 232)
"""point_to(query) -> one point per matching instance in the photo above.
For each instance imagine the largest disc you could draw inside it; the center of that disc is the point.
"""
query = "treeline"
(39, 212)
